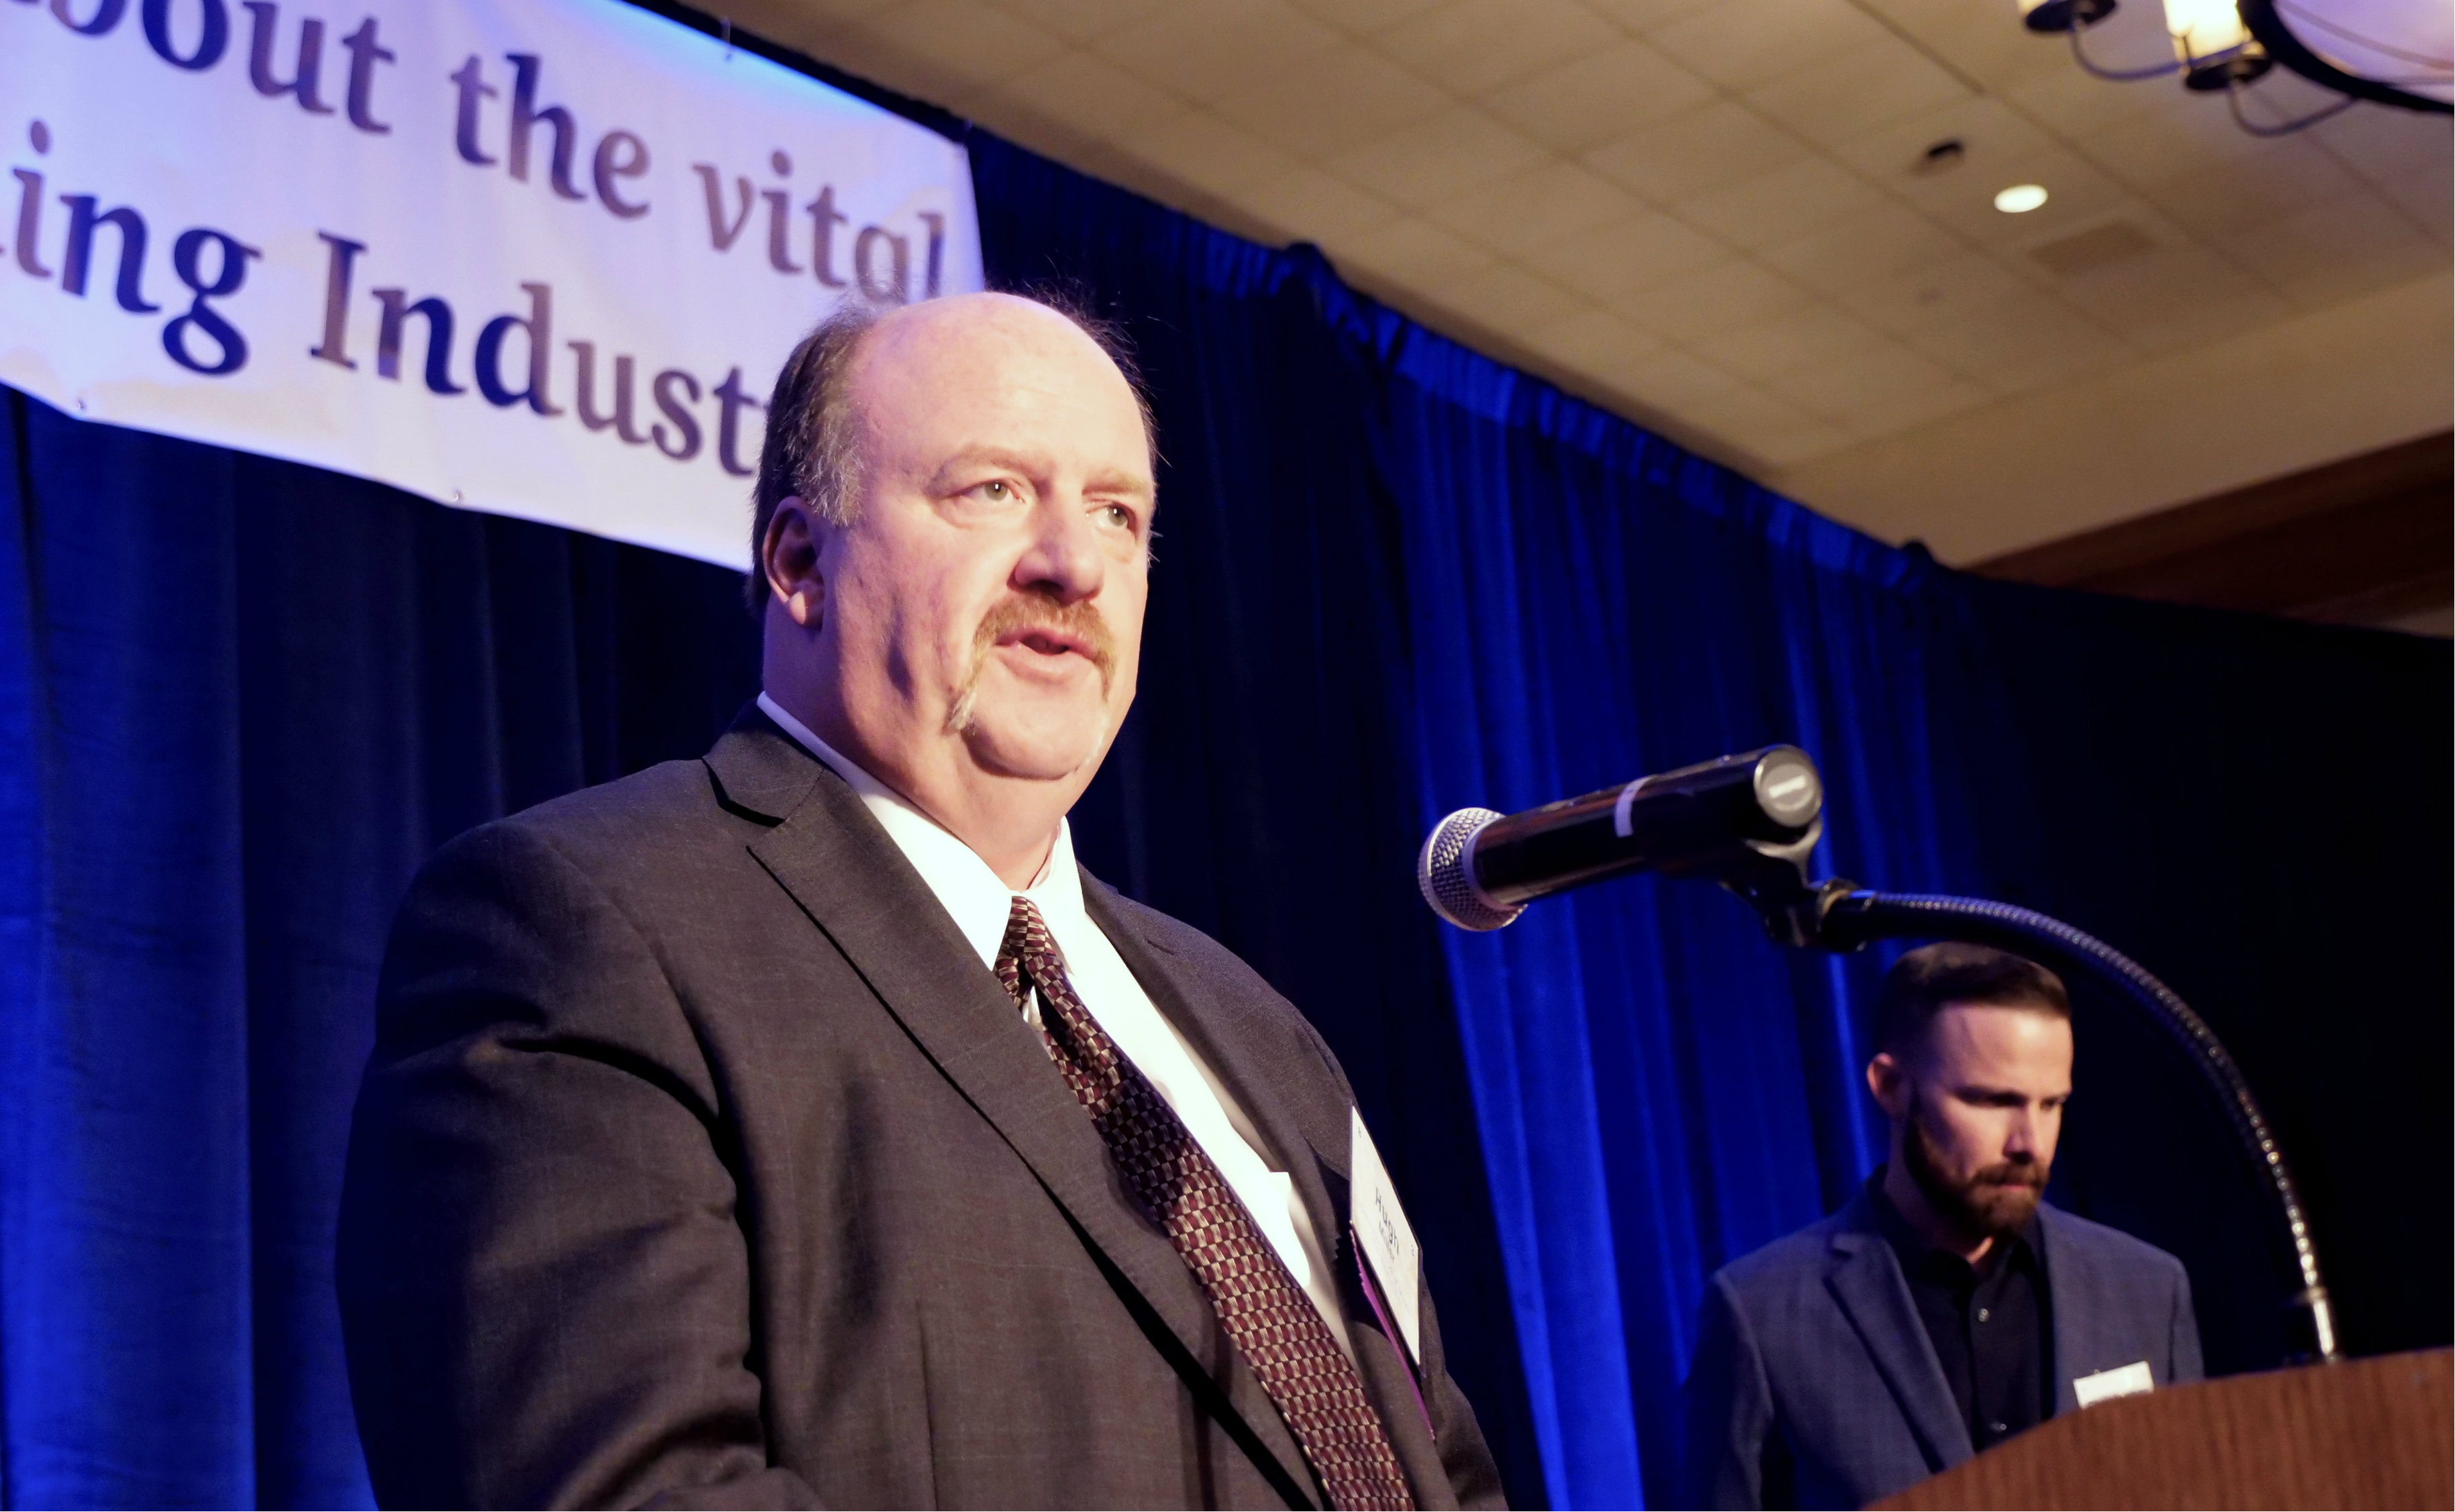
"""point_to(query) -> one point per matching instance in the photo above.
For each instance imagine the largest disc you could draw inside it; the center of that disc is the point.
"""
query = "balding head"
(811, 449)
(953, 557)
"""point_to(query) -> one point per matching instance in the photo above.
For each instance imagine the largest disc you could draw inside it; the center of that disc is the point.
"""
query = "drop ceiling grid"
(1702, 211)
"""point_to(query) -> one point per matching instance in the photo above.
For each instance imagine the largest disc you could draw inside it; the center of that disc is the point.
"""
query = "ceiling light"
(2392, 51)
(2020, 198)
(2212, 44)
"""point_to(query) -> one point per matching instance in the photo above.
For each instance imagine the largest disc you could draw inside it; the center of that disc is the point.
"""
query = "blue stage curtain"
(240, 700)
(1562, 601)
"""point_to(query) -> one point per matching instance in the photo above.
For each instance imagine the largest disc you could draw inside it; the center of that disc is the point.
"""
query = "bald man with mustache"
(803, 1126)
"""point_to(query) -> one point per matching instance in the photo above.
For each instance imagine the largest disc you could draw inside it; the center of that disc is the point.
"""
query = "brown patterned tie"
(1266, 1313)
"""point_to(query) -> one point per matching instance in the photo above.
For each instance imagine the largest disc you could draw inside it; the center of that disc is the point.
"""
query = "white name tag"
(1383, 1237)
(2123, 1380)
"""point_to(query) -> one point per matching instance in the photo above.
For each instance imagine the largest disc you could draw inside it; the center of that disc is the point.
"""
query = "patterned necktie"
(1266, 1314)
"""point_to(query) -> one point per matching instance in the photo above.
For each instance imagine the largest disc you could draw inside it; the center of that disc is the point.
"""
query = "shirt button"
(1983, 1316)
(1997, 1429)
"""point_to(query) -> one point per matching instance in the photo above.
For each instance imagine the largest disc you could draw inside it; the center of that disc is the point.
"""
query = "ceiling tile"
(1936, 294)
(1765, 427)
(1890, 411)
(1637, 17)
(940, 48)
(1680, 382)
(1740, 44)
(2381, 142)
(2021, 342)
(2347, 246)
(2216, 313)
(2072, 104)
(1080, 21)
(1363, 17)
(1331, 102)
(1963, 199)
(1857, 91)
(2228, 198)
(1475, 46)
(1506, 296)
(1212, 154)
(1695, 151)
(1412, 253)
(1788, 342)
(1842, 388)
(1988, 131)
(2169, 288)
(1311, 205)
(1616, 262)
(1868, 248)
(2191, 136)
(1593, 98)
(1083, 95)
(1203, 52)
(1434, 159)
(1694, 307)
(1589, 339)
(2426, 197)
(1987, 42)
(1519, 215)
(1781, 207)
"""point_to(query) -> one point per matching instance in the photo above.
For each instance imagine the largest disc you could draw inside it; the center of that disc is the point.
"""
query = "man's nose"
(2020, 1139)
(1063, 554)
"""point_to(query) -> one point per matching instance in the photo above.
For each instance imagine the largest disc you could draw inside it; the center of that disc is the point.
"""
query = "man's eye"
(997, 490)
(1118, 516)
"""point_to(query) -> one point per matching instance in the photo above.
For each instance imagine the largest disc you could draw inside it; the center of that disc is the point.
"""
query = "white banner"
(538, 257)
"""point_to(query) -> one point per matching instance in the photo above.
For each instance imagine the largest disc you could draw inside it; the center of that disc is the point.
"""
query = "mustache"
(1020, 614)
(1077, 621)
(2010, 1173)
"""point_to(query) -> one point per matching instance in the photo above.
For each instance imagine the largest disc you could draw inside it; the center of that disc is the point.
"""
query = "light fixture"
(2390, 51)
(2020, 198)
(2058, 16)
(2212, 45)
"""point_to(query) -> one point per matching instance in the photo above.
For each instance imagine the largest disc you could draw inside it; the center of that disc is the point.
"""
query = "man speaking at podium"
(1945, 1308)
(801, 1127)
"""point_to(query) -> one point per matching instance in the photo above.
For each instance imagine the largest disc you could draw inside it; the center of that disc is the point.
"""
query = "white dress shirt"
(979, 902)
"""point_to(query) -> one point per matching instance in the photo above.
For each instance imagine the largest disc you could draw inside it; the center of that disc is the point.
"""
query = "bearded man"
(799, 1126)
(1946, 1307)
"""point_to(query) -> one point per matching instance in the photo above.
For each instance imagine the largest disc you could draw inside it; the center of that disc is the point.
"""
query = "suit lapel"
(1246, 1050)
(2077, 1301)
(1866, 1280)
(854, 883)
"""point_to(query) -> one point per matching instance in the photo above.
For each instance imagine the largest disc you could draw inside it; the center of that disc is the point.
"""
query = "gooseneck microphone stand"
(1751, 822)
(1840, 916)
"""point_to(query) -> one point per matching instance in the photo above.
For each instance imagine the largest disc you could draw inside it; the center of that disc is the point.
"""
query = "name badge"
(2123, 1380)
(1384, 1237)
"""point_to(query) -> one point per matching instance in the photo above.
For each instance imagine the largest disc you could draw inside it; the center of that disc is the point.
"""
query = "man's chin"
(2005, 1209)
(1044, 749)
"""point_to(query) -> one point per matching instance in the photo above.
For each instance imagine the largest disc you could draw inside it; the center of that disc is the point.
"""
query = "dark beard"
(1997, 1202)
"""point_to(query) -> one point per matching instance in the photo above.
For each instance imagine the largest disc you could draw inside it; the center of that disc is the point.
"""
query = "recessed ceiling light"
(2020, 198)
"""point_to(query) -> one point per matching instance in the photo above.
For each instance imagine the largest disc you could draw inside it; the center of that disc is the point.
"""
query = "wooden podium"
(2369, 1432)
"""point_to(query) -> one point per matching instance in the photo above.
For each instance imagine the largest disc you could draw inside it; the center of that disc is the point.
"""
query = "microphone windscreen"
(1443, 872)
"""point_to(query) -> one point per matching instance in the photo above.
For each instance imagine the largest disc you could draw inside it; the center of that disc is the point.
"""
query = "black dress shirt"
(1990, 1324)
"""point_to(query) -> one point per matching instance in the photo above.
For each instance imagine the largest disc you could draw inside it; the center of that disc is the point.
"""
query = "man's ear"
(790, 559)
(1890, 1082)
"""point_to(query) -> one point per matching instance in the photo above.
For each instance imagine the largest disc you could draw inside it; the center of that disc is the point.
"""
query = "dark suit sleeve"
(2184, 1365)
(1728, 1407)
(545, 1290)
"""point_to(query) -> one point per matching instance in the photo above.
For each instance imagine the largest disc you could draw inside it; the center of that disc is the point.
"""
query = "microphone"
(1727, 820)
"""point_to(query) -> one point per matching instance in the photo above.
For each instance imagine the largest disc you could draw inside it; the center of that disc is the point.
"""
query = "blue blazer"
(1815, 1386)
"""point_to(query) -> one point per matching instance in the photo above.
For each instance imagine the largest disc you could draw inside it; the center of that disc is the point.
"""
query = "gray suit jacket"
(1815, 1386)
(700, 1161)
